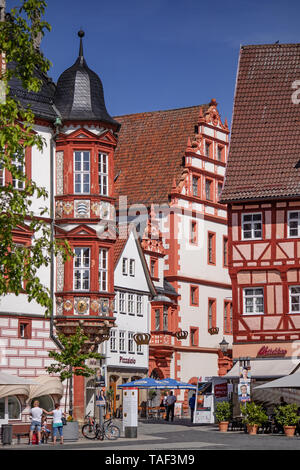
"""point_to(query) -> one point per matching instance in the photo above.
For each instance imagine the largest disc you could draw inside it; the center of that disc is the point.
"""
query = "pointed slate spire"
(81, 35)
(79, 93)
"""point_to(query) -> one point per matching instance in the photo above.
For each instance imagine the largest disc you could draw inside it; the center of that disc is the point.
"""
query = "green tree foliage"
(19, 265)
(71, 360)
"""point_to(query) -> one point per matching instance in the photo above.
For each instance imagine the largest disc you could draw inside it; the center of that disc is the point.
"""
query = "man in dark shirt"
(192, 402)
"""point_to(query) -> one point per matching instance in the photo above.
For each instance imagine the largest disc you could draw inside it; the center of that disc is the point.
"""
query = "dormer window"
(82, 172)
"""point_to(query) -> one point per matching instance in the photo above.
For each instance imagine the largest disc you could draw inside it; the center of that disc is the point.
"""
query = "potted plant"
(287, 416)
(223, 415)
(254, 416)
(70, 361)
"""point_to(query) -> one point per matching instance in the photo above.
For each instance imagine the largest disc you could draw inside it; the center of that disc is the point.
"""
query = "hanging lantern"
(142, 338)
(181, 334)
(214, 330)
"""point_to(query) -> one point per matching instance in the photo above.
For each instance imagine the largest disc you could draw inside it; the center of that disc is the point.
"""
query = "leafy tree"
(71, 360)
(19, 265)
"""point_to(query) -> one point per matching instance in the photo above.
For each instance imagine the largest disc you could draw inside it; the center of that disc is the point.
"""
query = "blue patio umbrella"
(175, 384)
(147, 382)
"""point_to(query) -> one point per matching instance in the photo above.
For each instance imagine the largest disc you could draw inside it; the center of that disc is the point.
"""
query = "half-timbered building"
(263, 198)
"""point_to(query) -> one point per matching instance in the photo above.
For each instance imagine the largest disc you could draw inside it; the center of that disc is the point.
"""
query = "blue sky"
(163, 54)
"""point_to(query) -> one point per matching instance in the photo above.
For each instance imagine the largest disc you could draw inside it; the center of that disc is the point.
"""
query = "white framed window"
(130, 342)
(195, 185)
(122, 302)
(122, 345)
(81, 172)
(293, 224)
(295, 299)
(116, 303)
(132, 267)
(251, 226)
(125, 266)
(82, 269)
(103, 173)
(113, 340)
(253, 300)
(103, 269)
(139, 305)
(207, 148)
(139, 349)
(131, 304)
(20, 166)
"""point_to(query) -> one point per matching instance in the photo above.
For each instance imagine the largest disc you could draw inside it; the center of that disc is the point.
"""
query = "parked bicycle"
(92, 430)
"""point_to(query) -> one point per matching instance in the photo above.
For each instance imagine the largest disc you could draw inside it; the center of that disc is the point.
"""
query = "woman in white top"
(57, 425)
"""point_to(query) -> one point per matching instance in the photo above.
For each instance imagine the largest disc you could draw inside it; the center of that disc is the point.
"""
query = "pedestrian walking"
(36, 420)
(171, 399)
(57, 424)
(101, 404)
(192, 402)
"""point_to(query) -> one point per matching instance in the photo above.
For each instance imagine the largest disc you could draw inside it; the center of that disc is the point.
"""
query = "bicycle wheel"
(89, 431)
(112, 432)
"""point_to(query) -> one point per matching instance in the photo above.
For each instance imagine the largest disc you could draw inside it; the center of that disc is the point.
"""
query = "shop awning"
(13, 385)
(266, 368)
(46, 385)
(289, 381)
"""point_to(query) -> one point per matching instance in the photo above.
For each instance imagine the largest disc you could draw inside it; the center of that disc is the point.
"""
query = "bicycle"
(93, 430)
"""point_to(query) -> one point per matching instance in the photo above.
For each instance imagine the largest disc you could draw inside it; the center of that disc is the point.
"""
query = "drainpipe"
(52, 145)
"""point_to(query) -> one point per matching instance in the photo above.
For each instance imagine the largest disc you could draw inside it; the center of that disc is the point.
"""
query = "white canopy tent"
(289, 381)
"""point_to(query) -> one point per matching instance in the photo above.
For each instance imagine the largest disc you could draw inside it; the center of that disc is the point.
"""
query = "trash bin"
(6, 434)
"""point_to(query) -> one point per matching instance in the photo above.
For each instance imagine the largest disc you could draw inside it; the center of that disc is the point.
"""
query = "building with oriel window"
(77, 169)
(171, 166)
(262, 195)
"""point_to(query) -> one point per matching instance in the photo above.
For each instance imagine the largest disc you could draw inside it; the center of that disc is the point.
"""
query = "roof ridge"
(248, 46)
(160, 111)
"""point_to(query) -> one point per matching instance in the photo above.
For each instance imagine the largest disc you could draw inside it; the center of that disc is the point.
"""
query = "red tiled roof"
(149, 152)
(265, 134)
(118, 249)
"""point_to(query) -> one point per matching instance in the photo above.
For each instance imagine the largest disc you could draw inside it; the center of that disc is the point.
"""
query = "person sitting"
(45, 432)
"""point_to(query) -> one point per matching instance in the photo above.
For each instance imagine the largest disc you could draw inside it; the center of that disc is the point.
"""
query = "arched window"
(14, 408)
(45, 402)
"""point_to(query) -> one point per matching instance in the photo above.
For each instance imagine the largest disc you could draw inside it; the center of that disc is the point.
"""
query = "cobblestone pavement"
(177, 436)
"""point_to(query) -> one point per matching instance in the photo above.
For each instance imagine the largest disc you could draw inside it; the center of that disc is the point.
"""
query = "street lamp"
(224, 346)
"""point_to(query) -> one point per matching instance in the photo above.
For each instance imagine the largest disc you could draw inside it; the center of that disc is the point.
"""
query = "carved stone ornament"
(82, 208)
(82, 305)
(68, 305)
(68, 208)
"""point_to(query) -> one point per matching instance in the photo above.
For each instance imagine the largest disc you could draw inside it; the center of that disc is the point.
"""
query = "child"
(45, 431)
